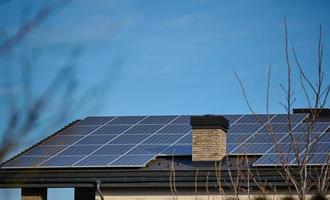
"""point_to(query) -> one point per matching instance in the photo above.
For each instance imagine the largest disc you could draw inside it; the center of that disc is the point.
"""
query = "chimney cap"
(209, 121)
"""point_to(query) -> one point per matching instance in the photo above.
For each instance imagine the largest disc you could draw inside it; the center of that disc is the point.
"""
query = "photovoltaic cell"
(284, 118)
(162, 139)
(237, 138)
(178, 149)
(158, 120)
(79, 150)
(95, 120)
(133, 160)
(44, 150)
(274, 159)
(143, 129)
(175, 129)
(317, 127)
(148, 149)
(79, 130)
(250, 148)
(182, 120)
(61, 161)
(187, 139)
(265, 138)
(112, 130)
(277, 128)
(232, 118)
(96, 139)
(63, 140)
(259, 119)
(127, 120)
(129, 139)
(96, 161)
(113, 149)
(244, 128)
(26, 161)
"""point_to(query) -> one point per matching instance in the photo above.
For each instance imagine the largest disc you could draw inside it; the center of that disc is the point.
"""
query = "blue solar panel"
(275, 159)
(133, 160)
(187, 139)
(80, 130)
(265, 138)
(127, 120)
(250, 148)
(284, 118)
(112, 130)
(162, 139)
(44, 150)
(158, 120)
(96, 139)
(244, 128)
(317, 127)
(232, 118)
(144, 129)
(237, 138)
(96, 120)
(175, 129)
(129, 139)
(178, 149)
(182, 120)
(80, 150)
(277, 128)
(148, 149)
(255, 118)
(135, 140)
(113, 150)
(63, 140)
(319, 158)
(96, 161)
(26, 161)
(61, 161)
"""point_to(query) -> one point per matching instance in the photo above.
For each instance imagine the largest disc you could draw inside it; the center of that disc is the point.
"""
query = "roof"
(134, 141)
(168, 140)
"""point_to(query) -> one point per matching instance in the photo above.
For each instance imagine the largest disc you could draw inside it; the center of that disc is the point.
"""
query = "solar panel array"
(133, 141)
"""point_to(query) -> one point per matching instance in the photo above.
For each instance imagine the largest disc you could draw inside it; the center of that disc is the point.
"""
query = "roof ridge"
(69, 125)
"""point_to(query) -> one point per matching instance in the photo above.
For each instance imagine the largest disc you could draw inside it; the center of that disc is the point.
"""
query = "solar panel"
(127, 120)
(129, 139)
(63, 140)
(148, 149)
(255, 118)
(80, 130)
(95, 120)
(157, 120)
(132, 160)
(182, 120)
(96, 139)
(112, 130)
(25, 161)
(284, 118)
(175, 129)
(135, 140)
(186, 139)
(96, 161)
(61, 161)
(143, 129)
(45, 150)
(162, 139)
(79, 150)
(113, 149)
(244, 128)
(178, 149)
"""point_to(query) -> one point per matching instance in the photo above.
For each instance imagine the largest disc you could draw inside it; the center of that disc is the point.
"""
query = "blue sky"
(174, 57)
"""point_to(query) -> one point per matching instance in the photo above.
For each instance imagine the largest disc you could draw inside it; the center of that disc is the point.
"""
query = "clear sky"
(174, 57)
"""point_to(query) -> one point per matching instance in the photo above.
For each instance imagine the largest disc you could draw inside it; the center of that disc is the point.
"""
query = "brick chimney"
(209, 137)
